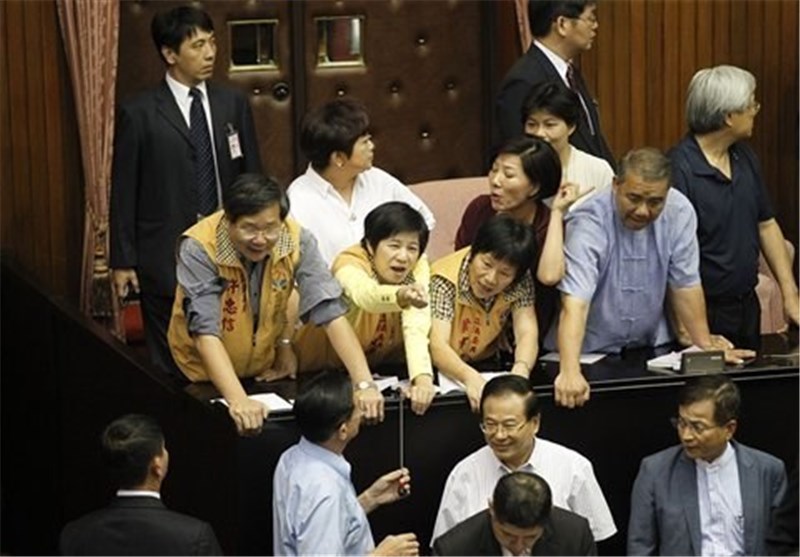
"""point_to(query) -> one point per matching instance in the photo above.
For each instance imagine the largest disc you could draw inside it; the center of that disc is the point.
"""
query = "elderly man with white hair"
(721, 176)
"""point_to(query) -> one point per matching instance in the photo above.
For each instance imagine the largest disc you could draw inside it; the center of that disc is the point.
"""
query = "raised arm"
(551, 261)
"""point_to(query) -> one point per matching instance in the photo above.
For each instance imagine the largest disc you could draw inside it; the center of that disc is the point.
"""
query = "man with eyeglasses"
(236, 270)
(510, 419)
(520, 520)
(562, 30)
(709, 495)
(721, 176)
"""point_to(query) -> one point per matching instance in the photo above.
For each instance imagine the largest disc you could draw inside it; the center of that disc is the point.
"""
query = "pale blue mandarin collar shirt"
(315, 508)
(624, 273)
(720, 500)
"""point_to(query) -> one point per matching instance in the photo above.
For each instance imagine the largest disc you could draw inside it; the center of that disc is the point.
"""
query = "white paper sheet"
(274, 402)
(588, 358)
(669, 362)
(447, 385)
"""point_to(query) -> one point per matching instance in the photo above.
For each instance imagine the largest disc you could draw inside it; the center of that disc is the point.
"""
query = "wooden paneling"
(42, 192)
(425, 96)
(646, 53)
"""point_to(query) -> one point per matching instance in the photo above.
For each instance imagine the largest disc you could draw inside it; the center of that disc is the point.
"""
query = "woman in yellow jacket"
(385, 282)
(474, 292)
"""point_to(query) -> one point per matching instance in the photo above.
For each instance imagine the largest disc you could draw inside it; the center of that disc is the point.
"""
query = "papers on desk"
(588, 358)
(669, 363)
(274, 402)
(447, 385)
(386, 381)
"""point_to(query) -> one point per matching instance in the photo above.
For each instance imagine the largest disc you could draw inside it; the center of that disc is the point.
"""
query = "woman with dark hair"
(551, 112)
(525, 171)
(474, 293)
(340, 181)
(385, 282)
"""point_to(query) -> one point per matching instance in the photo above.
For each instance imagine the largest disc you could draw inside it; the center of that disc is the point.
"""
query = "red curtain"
(90, 30)
(525, 38)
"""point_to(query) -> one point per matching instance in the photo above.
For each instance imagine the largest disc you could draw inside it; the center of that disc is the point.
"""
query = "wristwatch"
(364, 385)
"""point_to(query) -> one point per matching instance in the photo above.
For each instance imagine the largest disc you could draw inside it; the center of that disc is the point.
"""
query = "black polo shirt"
(728, 214)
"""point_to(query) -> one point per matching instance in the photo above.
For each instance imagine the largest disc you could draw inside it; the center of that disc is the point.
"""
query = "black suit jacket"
(565, 534)
(153, 182)
(138, 526)
(531, 69)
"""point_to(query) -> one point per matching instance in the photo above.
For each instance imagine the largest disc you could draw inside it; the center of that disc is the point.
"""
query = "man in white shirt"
(510, 419)
(341, 186)
(709, 495)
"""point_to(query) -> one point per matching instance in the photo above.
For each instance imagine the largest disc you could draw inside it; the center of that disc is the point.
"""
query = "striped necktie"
(203, 155)
(573, 84)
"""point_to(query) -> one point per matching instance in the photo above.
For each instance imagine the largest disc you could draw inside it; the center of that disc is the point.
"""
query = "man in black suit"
(561, 30)
(520, 520)
(168, 172)
(137, 522)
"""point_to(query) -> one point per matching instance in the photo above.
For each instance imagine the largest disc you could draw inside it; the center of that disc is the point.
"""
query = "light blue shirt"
(720, 499)
(315, 509)
(624, 273)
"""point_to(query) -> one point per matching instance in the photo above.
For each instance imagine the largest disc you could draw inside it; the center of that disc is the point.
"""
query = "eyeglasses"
(698, 428)
(591, 20)
(491, 428)
(754, 106)
(248, 233)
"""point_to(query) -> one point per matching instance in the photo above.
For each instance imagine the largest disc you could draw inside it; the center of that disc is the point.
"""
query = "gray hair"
(648, 163)
(714, 93)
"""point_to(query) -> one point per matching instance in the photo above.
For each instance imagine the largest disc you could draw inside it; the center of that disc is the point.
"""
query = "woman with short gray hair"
(720, 174)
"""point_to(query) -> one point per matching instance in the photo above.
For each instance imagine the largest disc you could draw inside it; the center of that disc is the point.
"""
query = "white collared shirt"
(558, 62)
(138, 493)
(569, 474)
(337, 225)
(720, 499)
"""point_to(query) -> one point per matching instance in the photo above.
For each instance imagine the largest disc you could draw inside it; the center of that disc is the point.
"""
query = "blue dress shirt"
(315, 508)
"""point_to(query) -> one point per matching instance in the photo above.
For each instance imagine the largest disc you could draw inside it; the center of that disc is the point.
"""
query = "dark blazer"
(665, 513)
(531, 69)
(138, 526)
(153, 182)
(565, 534)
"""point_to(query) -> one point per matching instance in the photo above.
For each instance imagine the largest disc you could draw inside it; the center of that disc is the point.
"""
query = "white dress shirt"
(569, 474)
(720, 499)
(337, 225)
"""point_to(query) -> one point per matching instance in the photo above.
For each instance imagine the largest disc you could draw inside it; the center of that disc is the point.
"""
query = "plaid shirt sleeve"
(443, 298)
(521, 294)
